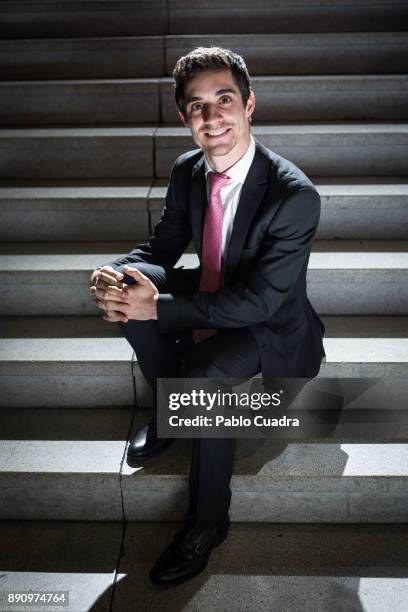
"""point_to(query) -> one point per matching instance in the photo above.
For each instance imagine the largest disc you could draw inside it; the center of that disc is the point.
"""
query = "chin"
(220, 151)
(222, 148)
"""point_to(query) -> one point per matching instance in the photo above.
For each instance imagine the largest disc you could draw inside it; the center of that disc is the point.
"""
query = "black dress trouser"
(231, 353)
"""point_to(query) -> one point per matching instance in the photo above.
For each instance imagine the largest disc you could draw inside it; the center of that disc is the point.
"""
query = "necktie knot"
(217, 181)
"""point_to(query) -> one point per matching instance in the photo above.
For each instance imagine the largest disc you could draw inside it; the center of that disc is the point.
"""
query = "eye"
(225, 99)
(195, 106)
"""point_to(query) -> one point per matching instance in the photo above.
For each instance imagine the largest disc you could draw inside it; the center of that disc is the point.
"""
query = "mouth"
(217, 134)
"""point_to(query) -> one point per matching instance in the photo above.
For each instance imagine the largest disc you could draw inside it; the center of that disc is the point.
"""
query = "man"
(252, 216)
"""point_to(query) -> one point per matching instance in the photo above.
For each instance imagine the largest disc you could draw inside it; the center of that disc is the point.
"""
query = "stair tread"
(337, 326)
(70, 256)
(356, 79)
(299, 127)
(76, 189)
(259, 567)
(93, 441)
(104, 349)
(373, 186)
(77, 132)
(64, 441)
(348, 339)
(30, 351)
(174, 40)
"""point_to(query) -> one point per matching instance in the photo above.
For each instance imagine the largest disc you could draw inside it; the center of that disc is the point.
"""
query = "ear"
(250, 105)
(183, 119)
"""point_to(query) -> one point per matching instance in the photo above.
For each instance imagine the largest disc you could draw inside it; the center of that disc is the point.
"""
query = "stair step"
(75, 459)
(294, 482)
(326, 97)
(125, 152)
(261, 16)
(82, 58)
(76, 210)
(305, 53)
(85, 361)
(41, 19)
(76, 463)
(326, 149)
(155, 56)
(140, 101)
(122, 18)
(344, 277)
(83, 369)
(362, 209)
(352, 208)
(80, 102)
(355, 346)
(261, 566)
(75, 557)
(94, 327)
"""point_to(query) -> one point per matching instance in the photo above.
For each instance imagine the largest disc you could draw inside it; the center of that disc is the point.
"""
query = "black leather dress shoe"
(188, 554)
(146, 444)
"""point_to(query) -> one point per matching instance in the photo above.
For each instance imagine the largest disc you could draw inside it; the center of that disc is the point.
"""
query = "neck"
(222, 163)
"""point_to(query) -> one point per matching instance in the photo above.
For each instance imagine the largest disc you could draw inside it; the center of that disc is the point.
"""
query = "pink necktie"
(211, 252)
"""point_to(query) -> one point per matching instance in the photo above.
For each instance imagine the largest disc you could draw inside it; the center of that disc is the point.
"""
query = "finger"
(111, 293)
(107, 270)
(114, 315)
(112, 272)
(116, 293)
(111, 305)
(103, 285)
(100, 304)
(107, 278)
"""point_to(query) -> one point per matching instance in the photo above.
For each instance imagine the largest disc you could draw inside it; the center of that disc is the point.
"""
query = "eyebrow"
(217, 93)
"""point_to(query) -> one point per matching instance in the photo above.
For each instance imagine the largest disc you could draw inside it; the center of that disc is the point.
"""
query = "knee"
(138, 331)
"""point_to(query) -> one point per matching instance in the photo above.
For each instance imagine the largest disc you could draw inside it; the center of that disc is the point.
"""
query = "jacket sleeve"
(169, 239)
(267, 281)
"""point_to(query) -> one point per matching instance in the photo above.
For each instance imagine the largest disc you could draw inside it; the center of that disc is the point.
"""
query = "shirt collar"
(238, 171)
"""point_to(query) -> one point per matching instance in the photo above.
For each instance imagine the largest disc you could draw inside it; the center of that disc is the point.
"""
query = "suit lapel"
(253, 190)
(198, 203)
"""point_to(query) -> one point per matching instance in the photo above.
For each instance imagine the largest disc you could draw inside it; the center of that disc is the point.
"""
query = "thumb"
(136, 274)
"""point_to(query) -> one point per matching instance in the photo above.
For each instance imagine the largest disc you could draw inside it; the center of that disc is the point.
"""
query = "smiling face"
(217, 117)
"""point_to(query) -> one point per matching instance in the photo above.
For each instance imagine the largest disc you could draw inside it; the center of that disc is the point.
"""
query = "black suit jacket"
(264, 287)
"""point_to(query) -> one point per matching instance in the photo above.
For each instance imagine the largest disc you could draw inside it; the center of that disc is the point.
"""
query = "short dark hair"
(209, 58)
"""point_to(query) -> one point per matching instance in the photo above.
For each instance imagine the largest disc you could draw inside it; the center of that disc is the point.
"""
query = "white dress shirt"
(230, 194)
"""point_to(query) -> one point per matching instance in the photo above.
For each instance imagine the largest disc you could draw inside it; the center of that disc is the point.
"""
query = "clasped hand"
(121, 302)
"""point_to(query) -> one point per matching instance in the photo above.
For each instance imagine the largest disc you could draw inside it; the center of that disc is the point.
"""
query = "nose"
(211, 112)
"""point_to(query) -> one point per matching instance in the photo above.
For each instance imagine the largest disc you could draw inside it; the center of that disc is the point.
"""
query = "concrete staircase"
(88, 136)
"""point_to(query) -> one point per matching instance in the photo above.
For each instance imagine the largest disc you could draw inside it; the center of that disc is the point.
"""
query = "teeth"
(216, 133)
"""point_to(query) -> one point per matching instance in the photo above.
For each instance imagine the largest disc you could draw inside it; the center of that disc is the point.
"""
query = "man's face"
(215, 113)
